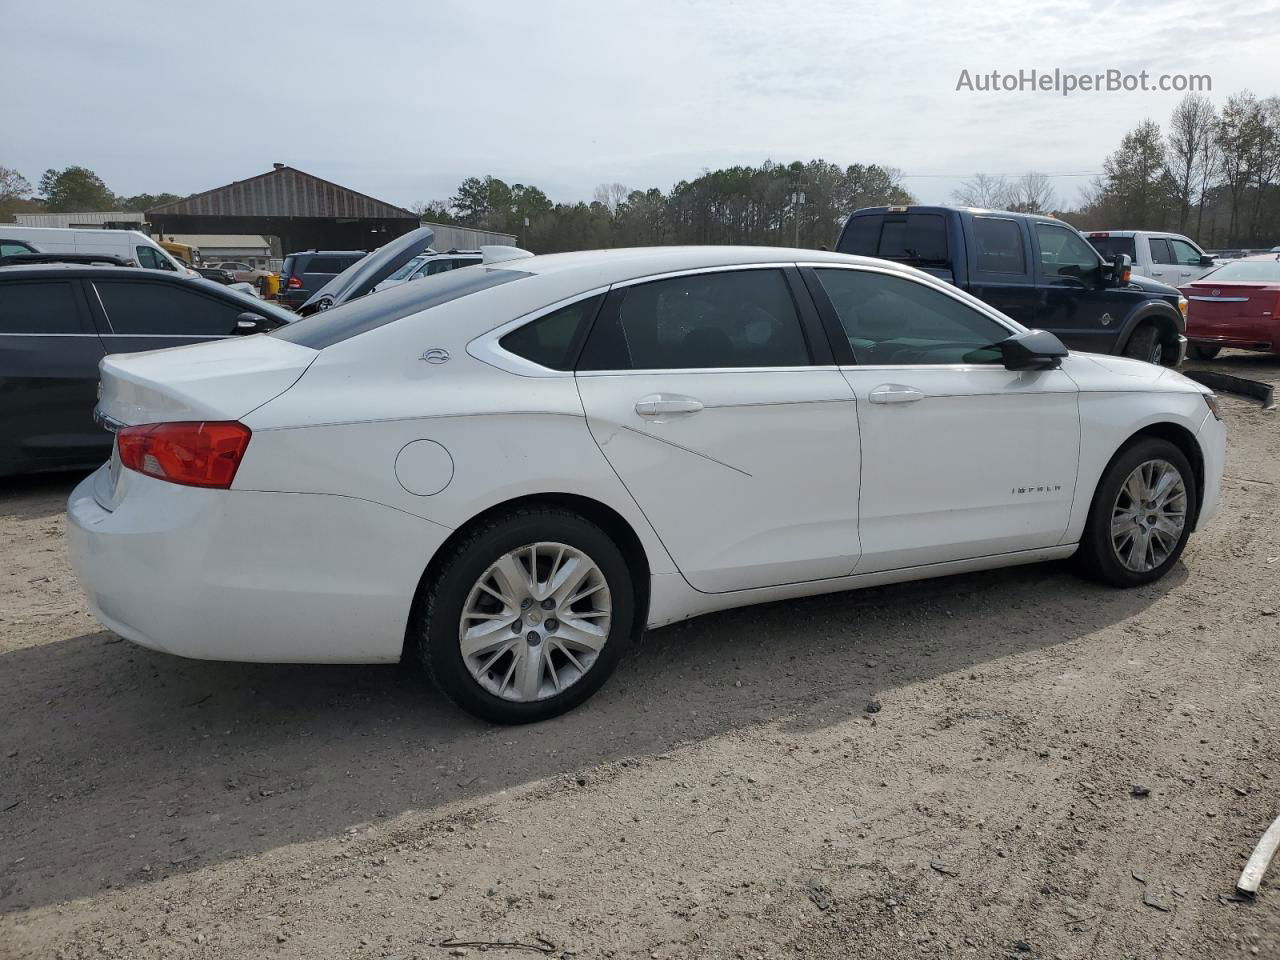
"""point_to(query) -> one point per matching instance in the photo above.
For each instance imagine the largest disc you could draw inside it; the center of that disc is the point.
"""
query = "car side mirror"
(1033, 350)
(1206, 260)
(249, 323)
(1121, 269)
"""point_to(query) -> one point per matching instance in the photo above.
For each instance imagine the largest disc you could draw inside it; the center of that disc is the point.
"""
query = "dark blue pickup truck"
(1038, 270)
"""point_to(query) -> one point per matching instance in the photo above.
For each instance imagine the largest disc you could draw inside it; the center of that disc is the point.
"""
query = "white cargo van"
(129, 245)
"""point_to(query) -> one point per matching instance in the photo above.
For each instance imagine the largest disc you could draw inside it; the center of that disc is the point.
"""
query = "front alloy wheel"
(535, 622)
(1149, 516)
(1142, 513)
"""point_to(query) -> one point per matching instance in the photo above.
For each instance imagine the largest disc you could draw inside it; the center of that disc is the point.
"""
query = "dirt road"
(1055, 770)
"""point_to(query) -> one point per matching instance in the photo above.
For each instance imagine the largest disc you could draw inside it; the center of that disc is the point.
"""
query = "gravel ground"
(1007, 764)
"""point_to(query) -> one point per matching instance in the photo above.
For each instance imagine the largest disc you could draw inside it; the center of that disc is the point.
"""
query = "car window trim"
(812, 346)
(826, 307)
(487, 349)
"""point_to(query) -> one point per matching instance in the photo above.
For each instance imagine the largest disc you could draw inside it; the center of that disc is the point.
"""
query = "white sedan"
(507, 472)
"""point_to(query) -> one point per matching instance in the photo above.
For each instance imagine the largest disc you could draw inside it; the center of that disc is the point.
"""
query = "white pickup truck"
(1168, 257)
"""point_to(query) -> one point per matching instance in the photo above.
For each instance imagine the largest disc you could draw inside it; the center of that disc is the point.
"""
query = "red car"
(1237, 305)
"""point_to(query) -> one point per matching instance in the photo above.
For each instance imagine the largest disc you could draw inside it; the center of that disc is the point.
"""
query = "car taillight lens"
(196, 454)
(295, 283)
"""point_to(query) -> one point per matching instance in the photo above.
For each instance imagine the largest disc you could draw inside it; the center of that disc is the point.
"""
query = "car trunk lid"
(222, 380)
(1239, 311)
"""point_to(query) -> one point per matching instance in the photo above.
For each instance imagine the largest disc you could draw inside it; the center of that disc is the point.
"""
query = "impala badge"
(1215, 293)
(436, 355)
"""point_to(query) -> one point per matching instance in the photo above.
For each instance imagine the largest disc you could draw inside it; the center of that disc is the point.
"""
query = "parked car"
(243, 272)
(216, 274)
(506, 472)
(1238, 305)
(303, 273)
(1037, 270)
(57, 321)
(366, 273)
(129, 245)
(429, 264)
(9, 248)
(1168, 257)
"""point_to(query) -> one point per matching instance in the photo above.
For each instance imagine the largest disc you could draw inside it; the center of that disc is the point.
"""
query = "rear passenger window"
(165, 309)
(324, 265)
(741, 318)
(999, 243)
(552, 340)
(38, 307)
(1160, 252)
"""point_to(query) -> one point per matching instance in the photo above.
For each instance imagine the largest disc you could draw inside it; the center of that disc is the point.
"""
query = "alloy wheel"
(535, 622)
(1149, 515)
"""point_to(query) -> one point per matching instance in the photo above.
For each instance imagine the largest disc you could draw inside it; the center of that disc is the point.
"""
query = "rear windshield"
(375, 310)
(286, 269)
(914, 237)
(1110, 246)
(1247, 271)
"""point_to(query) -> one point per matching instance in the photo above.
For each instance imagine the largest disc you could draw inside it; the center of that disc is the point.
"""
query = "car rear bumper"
(245, 575)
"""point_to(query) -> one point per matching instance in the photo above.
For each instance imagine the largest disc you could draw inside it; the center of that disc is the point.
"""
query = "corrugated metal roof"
(283, 192)
(93, 218)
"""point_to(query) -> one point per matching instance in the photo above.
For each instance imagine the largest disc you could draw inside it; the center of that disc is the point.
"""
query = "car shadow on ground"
(37, 496)
(119, 765)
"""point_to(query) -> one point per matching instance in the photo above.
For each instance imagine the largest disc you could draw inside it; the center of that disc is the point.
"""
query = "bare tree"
(611, 196)
(1188, 150)
(1031, 193)
(983, 191)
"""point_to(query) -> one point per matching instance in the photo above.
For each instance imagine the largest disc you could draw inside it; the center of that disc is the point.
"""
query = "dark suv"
(1038, 270)
(306, 272)
(58, 320)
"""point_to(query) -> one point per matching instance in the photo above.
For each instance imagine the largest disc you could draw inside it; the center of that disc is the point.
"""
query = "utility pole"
(797, 201)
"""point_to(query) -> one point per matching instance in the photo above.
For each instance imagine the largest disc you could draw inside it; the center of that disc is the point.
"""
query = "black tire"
(437, 614)
(1202, 351)
(1097, 557)
(1145, 344)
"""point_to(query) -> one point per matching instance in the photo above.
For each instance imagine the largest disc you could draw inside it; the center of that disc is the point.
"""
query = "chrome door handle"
(667, 405)
(895, 393)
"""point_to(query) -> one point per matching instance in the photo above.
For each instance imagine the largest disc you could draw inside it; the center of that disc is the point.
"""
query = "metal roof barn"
(303, 210)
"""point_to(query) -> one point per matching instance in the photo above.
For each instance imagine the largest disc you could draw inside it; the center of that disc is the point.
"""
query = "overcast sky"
(403, 100)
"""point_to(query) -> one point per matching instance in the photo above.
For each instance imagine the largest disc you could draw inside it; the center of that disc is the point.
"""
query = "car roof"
(627, 263)
(46, 270)
(956, 208)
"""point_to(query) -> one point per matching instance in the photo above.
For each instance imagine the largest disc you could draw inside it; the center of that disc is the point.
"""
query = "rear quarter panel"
(341, 430)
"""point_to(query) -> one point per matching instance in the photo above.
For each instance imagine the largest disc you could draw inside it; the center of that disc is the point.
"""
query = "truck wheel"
(1202, 351)
(1145, 344)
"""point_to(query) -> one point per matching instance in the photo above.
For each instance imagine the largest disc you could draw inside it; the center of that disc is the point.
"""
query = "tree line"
(795, 204)
(71, 190)
(1213, 174)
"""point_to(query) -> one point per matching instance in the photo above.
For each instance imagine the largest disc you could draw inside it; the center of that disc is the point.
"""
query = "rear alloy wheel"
(1142, 515)
(1202, 351)
(1145, 344)
(528, 616)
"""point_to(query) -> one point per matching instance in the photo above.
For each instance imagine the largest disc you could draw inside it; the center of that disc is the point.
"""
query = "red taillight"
(295, 283)
(195, 454)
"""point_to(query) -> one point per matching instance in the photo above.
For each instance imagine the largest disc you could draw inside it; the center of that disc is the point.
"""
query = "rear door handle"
(895, 393)
(667, 405)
